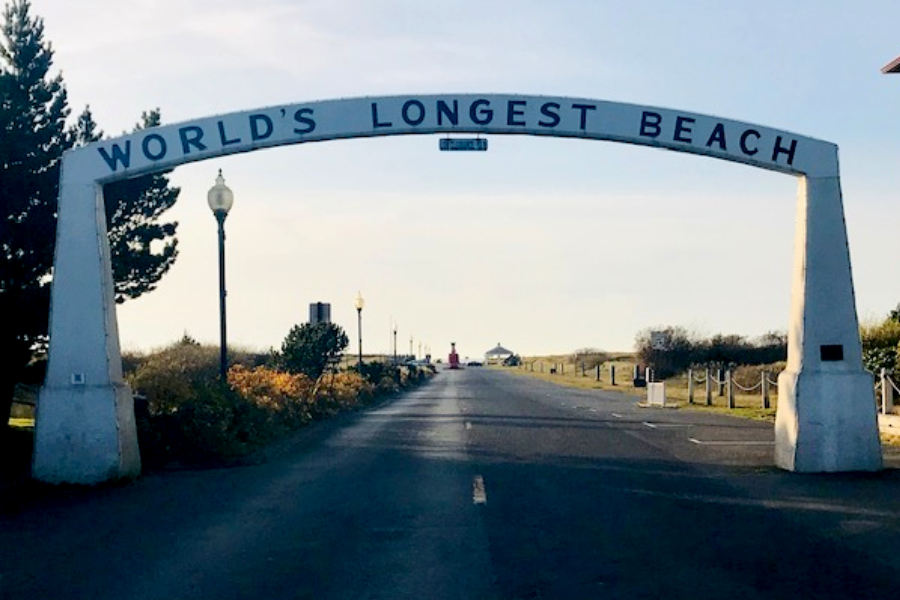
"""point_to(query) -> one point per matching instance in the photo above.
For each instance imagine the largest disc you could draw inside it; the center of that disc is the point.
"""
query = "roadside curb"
(667, 405)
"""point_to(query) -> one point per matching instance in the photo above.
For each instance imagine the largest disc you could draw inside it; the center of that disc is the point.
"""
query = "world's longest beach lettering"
(194, 138)
(483, 114)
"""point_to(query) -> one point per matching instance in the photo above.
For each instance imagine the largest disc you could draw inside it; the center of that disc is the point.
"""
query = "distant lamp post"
(395, 344)
(220, 200)
(359, 303)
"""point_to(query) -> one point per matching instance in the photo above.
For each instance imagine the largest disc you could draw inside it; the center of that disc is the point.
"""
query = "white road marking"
(650, 425)
(617, 415)
(468, 425)
(731, 443)
(479, 493)
(592, 409)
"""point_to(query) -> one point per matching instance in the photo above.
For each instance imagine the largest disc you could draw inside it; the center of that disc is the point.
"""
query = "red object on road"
(454, 357)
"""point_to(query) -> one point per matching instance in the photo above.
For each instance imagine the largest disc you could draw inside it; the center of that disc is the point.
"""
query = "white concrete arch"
(85, 428)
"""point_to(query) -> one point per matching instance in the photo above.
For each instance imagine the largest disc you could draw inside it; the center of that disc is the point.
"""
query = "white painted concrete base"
(827, 422)
(656, 394)
(85, 435)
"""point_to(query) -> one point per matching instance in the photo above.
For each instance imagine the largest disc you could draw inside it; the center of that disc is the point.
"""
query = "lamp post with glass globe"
(220, 200)
(395, 344)
(359, 303)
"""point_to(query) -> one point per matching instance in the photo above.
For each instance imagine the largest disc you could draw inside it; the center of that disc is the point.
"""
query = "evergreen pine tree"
(33, 136)
(310, 348)
(142, 249)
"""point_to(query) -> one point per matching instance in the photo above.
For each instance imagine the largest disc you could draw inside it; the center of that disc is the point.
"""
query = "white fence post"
(729, 384)
(887, 393)
(690, 386)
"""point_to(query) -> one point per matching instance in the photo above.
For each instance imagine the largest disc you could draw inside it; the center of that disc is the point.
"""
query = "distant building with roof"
(319, 312)
(497, 354)
(892, 67)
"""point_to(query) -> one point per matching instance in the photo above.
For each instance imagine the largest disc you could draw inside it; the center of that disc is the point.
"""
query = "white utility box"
(656, 394)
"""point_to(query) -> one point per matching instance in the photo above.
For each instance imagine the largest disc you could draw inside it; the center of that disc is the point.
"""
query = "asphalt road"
(480, 485)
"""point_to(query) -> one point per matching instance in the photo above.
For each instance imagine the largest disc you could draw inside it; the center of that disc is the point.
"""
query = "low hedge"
(185, 413)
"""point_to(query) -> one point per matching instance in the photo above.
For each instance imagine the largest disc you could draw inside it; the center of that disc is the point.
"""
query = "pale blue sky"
(545, 245)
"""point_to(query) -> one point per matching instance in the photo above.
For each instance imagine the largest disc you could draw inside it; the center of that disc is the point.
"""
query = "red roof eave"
(892, 67)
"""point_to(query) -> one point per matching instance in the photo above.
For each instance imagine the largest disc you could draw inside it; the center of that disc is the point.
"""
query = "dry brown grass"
(747, 405)
(890, 439)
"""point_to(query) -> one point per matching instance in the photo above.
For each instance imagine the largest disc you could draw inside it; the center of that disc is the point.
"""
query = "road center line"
(479, 493)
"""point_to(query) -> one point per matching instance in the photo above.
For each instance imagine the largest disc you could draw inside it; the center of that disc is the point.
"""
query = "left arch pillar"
(85, 429)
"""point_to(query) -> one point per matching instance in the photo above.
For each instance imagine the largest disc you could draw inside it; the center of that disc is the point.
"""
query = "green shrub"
(190, 415)
(879, 345)
(885, 334)
(673, 357)
(309, 349)
(339, 392)
(216, 423)
(749, 376)
(389, 384)
(591, 357)
(286, 397)
(680, 349)
(374, 372)
(175, 375)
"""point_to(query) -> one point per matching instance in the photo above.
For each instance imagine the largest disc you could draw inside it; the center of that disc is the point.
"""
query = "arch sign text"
(531, 115)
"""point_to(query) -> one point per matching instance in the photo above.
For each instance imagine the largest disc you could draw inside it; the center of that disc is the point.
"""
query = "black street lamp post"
(220, 200)
(395, 344)
(360, 303)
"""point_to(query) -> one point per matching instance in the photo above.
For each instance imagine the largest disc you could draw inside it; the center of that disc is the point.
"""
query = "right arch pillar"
(827, 419)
